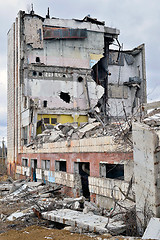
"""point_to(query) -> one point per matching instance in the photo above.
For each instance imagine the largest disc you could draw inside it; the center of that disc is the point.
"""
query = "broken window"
(37, 59)
(60, 166)
(40, 74)
(114, 171)
(44, 103)
(45, 164)
(80, 79)
(25, 134)
(34, 73)
(65, 97)
(53, 120)
(46, 120)
(25, 162)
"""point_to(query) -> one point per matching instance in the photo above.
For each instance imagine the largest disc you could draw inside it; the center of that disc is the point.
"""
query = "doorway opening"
(83, 169)
(33, 169)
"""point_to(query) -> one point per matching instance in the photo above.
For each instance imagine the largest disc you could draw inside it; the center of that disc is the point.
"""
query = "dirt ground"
(41, 233)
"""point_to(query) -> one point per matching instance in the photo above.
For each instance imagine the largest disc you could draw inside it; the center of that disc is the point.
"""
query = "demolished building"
(60, 74)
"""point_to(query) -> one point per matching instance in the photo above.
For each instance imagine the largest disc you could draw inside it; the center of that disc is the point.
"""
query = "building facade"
(64, 71)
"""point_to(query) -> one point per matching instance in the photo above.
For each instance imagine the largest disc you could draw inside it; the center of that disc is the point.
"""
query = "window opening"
(114, 171)
(46, 164)
(46, 120)
(53, 120)
(34, 73)
(25, 162)
(60, 166)
(40, 74)
(65, 97)
(44, 103)
(25, 135)
(80, 79)
(37, 59)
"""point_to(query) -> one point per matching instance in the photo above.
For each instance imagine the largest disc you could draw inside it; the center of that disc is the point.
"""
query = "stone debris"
(90, 129)
(88, 221)
(47, 202)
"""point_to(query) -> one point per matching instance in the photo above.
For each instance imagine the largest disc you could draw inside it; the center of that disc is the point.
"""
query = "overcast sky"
(137, 20)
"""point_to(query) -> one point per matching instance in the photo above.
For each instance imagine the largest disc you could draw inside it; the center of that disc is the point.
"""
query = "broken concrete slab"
(34, 184)
(89, 222)
(153, 229)
(16, 215)
(54, 136)
(88, 128)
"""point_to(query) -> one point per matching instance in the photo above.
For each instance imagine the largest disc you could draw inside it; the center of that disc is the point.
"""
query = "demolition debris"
(47, 202)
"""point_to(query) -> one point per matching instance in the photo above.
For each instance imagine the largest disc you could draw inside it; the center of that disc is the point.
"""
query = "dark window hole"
(34, 73)
(46, 120)
(53, 120)
(37, 59)
(44, 103)
(115, 171)
(65, 97)
(80, 79)
(40, 74)
(62, 166)
(64, 75)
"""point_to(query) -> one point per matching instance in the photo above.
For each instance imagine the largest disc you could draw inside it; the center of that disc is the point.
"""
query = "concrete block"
(74, 218)
(153, 229)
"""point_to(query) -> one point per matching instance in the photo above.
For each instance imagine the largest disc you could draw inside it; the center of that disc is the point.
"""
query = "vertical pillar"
(147, 174)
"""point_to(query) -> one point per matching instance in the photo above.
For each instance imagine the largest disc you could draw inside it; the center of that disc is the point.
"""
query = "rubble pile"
(90, 129)
(41, 201)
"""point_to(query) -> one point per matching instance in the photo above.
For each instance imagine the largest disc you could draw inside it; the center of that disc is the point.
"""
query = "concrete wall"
(50, 90)
(73, 52)
(147, 172)
(87, 145)
(11, 94)
(93, 151)
(118, 92)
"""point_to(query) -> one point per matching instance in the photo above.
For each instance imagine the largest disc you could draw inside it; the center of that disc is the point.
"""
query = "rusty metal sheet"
(64, 33)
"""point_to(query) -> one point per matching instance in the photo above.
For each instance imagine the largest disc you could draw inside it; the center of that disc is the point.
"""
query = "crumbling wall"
(52, 89)
(94, 152)
(33, 32)
(127, 82)
(104, 144)
(105, 190)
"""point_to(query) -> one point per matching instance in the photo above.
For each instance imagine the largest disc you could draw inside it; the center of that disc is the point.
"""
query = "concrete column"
(147, 174)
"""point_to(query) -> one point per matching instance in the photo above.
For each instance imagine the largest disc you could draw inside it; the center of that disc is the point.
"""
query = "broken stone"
(15, 215)
(46, 195)
(70, 132)
(54, 137)
(75, 136)
(92, 120)
(66, 129)
(88, 128)
(76, 205)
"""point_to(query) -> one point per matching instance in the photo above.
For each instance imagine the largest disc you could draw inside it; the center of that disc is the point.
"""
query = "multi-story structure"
(59, 71)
